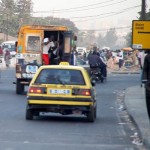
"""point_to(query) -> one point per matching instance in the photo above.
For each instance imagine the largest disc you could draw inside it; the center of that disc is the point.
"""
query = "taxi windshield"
(60, 76)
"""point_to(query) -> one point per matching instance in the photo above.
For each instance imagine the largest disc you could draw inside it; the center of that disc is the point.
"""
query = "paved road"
(65, 132)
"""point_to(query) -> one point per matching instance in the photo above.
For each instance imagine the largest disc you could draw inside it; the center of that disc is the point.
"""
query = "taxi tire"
(29, 114)
(91, 115)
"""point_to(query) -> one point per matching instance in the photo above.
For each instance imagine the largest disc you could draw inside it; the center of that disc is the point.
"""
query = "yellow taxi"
(63, 89)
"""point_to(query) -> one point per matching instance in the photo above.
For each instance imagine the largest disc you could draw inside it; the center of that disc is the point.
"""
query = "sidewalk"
(136, 106)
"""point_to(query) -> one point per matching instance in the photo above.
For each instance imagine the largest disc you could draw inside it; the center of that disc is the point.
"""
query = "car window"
(60, 76)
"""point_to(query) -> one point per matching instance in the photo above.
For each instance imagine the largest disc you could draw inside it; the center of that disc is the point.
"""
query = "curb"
(129, 72)
(135, 106)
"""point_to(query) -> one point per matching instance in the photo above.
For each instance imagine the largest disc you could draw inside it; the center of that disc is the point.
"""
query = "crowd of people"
(118, 60)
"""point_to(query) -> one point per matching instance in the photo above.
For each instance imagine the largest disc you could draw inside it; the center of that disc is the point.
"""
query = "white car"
(11, 46)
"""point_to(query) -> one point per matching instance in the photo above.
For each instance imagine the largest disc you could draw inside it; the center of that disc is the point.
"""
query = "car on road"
(63, 89)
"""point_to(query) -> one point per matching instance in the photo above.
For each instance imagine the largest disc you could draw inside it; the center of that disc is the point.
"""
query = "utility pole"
(143, 10)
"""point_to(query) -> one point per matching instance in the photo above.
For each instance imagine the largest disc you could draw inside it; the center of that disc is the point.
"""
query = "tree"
(110, 38)
(15, 13)
(23, 10)
(100, 41)
(129, 39)
(6, 15)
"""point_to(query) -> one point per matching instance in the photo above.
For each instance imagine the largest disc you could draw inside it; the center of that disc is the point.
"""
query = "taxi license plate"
(60, 91)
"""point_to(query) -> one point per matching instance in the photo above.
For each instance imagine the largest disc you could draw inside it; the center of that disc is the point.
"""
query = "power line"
(105, 15)
(85, 6)
(116, 28)
(93, 7)
(79, 8)
(123, 10)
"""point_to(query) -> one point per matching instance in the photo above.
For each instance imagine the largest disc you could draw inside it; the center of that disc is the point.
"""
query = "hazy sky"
(88, 14)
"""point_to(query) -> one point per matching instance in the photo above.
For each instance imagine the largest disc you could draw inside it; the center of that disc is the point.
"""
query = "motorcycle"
(96, 74)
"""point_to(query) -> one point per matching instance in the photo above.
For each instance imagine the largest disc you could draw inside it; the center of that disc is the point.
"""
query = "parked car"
(63, 89)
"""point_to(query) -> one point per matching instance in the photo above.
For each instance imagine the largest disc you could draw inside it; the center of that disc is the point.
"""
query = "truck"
(29, 50)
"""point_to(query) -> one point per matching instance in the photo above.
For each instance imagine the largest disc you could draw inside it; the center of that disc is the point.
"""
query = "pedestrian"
(120, 56)
(146, 80)
(53, 49)
(7, 57)
(139, 56)
(1, 51)
(45, 55)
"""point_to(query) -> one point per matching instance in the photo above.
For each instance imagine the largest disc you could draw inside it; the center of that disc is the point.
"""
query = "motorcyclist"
(96, 62)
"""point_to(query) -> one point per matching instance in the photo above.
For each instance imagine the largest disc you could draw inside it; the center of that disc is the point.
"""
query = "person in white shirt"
(120, 56)
(45, 56)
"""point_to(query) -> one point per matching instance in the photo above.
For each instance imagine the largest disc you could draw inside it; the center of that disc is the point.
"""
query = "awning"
(127, 49)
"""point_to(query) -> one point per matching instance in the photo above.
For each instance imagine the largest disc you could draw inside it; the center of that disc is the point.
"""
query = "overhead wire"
(116, 28)
(93, 7)
(104, 15)
(79, 8)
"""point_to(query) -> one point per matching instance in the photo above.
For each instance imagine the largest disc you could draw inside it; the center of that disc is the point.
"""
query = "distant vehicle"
(29, 50)
(63, 89)
(81, 51)
(10, 45)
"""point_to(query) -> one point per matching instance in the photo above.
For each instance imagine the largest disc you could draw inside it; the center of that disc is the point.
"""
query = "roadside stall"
(129, 57)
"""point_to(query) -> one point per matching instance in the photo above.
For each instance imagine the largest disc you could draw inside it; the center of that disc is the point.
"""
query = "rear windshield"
(60, 76)
(33, 43)
(9, 46)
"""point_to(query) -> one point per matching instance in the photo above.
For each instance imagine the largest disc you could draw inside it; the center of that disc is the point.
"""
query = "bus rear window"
(33, 43)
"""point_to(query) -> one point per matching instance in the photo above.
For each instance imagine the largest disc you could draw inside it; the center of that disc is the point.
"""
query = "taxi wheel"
(29, 114)
(91, 115)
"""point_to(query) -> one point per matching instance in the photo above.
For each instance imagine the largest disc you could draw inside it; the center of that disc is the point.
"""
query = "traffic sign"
(141, 34)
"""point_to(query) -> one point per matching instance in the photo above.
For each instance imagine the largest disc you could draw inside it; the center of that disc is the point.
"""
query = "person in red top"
(1, 51)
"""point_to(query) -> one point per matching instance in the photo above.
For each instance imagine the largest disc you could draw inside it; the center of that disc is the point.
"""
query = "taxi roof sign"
(140, 34)
(64, 63)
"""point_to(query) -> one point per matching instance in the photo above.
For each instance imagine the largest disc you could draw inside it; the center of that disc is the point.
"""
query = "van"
(29, 50)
